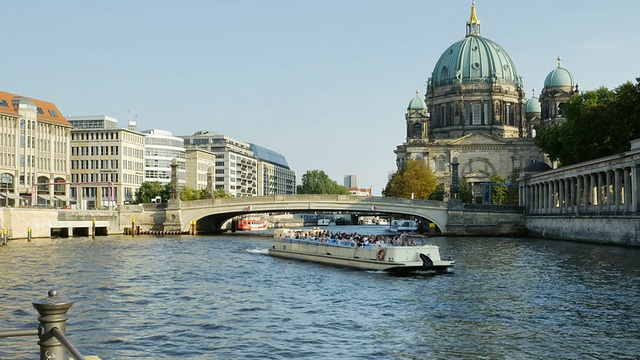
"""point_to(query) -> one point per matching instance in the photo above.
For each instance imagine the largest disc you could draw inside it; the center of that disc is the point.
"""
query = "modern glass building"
(274, 175)
(161, 147)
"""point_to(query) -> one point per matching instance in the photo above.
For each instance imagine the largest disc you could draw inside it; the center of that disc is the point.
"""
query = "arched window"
(417, 130)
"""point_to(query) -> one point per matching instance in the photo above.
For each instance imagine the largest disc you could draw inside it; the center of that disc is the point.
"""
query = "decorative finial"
(534, 91)
(417, 92)
(559, 58)
(473, 25)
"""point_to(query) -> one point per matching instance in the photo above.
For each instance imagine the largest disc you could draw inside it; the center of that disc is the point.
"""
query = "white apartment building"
(107, 163)
(198, 164)
(34, 149)
(161, 147)
(274, 175)
(236, 169)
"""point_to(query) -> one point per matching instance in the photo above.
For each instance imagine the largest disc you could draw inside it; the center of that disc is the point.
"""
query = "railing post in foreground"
(53, 314)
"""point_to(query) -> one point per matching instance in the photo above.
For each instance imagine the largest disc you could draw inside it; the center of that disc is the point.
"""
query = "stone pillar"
(210, 182)
(455, 181)
(545, 205)
(561, 194)
(609, 191)
(627, 189)
(572, 194)
(585, 192)
(635, 195)
(579, 186)
(173, 191)
(617, 189)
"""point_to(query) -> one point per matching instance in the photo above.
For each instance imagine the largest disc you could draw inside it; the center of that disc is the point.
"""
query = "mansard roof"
(46, 111)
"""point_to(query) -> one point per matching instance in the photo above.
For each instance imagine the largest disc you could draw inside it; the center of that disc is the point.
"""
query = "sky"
(324, 83)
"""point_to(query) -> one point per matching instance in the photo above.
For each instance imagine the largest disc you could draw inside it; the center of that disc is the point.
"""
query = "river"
(223, 297)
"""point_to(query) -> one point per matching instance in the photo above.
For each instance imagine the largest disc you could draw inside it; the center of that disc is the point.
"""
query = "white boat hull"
(370, 257)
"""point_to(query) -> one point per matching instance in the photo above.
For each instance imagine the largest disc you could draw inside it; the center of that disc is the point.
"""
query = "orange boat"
(252, 223)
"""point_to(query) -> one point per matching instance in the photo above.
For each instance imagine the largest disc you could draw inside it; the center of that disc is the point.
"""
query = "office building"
(34, 149)
(161, 147)
(107, 163)
(274, 175)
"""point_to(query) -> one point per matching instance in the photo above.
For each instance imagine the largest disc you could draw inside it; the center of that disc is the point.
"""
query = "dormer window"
(40, 111)
(53, 113)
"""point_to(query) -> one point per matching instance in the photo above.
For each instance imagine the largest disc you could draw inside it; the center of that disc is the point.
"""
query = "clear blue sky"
(325, 83)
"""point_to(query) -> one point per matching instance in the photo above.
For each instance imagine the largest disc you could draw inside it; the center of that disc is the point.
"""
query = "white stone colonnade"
(604, 186)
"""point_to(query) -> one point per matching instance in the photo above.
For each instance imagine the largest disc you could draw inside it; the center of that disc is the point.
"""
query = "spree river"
(223, 297)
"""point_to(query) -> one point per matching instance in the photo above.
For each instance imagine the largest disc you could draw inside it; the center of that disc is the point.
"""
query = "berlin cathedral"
(475, 113)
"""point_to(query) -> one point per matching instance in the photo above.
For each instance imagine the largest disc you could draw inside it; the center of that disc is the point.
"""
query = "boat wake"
(258, 251)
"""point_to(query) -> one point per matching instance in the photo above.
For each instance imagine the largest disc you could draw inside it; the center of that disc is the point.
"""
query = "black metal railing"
(53, 317)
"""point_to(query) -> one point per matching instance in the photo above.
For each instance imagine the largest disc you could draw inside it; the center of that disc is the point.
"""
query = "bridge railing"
(311, 197)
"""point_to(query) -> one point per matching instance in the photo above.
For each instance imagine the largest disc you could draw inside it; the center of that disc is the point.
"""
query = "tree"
(466, 193)
(317, 182)
(498, 189)
(438, 193)
(150, 190)
(598, 123)
(414, 178)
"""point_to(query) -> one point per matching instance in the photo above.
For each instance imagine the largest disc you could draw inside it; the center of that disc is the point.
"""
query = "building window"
(476, 116)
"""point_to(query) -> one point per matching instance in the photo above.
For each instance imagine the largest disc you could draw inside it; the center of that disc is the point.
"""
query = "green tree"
(498, 189)
(598, 123)
(188, 194)
(317, 182)
(414, 178)
(466, 192)
(438, 193)
(150, 190)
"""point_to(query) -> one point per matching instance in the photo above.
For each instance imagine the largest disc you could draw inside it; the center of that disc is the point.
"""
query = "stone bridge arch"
(220, 210)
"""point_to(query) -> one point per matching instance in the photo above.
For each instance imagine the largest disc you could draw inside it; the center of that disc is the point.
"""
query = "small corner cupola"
(532, 105)
(417, 103)
(559, 77)
(473, 25)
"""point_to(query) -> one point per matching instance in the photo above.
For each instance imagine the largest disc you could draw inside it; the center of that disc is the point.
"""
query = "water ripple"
(224, 298)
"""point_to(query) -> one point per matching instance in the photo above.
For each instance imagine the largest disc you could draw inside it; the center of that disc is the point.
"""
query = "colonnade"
(610, 187)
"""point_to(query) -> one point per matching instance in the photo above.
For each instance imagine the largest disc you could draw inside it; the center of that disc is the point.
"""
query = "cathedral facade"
(475, 113)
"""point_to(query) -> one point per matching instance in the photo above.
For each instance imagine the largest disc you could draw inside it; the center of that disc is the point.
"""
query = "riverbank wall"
(601, 229)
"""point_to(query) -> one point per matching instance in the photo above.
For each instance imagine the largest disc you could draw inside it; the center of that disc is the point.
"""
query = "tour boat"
(252, 223)
(403, 226)
(324, 222)
(399, 255)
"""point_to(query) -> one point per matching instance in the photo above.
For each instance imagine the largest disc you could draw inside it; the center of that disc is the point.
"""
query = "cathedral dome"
(559, 77)
(417, 103)
(532, 105)
(474, 59)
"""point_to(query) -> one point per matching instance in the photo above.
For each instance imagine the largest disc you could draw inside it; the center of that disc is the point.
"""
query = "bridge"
(210, 214)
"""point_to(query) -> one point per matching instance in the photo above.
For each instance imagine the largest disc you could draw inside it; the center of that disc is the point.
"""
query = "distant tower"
(351, 181)
(559, 87)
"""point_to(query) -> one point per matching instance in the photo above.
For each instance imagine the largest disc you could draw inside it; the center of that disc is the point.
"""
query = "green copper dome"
(416, 103)
(532, 105)
(474, 59)
(559, 77)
